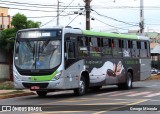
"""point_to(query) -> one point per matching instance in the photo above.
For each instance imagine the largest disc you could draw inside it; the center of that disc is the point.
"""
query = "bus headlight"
(57, 76)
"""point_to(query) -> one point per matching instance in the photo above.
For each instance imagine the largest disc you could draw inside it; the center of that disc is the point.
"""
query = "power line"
(109, 24)
(46, 7)
(72, 20)
(31, 9)
(38, 10)
(58, 14)
(35, 6)
(49, 16)
(114, 18)
(27, 3)
(43, 16)
(123, 7)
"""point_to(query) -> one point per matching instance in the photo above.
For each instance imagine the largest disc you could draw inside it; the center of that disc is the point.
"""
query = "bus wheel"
(41, 93)
(128, 83)
(82, 87)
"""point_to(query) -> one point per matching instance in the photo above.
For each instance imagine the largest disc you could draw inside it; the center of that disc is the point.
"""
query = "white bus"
(73, 59)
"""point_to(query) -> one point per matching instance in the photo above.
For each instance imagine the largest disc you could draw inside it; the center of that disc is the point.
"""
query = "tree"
(32, 24)
(7, 38)
(19, 21)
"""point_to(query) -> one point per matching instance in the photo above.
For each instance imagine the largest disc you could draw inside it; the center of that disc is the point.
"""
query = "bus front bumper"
(41, 85)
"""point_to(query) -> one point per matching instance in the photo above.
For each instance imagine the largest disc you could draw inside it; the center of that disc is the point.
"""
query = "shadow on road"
(69, 94)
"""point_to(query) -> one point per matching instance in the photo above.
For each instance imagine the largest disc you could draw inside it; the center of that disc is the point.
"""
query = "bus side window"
(83, 44)
(144, 52)
(138, 45)
(113, 43)
(130, 44)
(125, 44)
(120, 43)
(145, 45)
(101, 42)
(148, 50)
(109, 42)
(106, 49)
(95, 47)
(116, 43)
(138, 48)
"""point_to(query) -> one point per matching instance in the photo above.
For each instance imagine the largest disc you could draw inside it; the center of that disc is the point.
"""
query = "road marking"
(106, 103)
(118, 94)
(58, 101)
(137, 94)
(82, 100)
(140, 101)
(154, 100)
(152, 86)
(106, 93)
(153, 95)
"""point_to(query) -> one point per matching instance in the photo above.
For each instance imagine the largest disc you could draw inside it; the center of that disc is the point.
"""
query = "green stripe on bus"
(113, 35)
(43, 78)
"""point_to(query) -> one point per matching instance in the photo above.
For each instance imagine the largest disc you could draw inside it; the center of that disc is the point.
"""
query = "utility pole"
(87, 7)
(58, 12)
(141, 24)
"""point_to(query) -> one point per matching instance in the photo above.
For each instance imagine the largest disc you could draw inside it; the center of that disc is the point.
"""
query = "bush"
(6, 85)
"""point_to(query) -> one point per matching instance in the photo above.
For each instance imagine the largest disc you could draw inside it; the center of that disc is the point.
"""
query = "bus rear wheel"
(128, 83)
(82, 87)
(41, 93)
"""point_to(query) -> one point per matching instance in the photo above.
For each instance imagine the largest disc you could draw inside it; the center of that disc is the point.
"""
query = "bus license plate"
(35, 87)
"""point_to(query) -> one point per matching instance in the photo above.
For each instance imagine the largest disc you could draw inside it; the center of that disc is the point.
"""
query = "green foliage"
(19, 21)
(7, 85)
(32, 24)
(7, 38)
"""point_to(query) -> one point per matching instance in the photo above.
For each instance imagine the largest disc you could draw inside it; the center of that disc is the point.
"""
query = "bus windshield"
(37, 54)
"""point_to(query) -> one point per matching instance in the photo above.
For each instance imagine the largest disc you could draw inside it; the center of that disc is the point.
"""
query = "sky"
(106, 15)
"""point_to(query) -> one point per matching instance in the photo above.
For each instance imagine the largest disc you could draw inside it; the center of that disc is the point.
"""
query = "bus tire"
(41, 93)
(82, 89)
(128, 83)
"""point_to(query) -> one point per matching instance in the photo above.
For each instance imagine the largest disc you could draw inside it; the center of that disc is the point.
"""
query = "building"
(5, 19)
(5, 22)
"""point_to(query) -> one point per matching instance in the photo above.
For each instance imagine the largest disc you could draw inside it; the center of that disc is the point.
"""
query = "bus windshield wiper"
(44, 45)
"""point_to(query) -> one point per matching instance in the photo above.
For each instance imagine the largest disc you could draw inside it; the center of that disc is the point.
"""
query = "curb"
(8, 95)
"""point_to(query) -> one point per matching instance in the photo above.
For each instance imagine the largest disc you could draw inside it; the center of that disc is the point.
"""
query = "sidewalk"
(14, 93)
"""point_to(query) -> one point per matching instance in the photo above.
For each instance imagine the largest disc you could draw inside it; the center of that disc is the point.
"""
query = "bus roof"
(114, 35)
(93, 33)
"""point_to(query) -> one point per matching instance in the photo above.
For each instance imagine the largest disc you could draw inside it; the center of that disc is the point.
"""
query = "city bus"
(65, 58)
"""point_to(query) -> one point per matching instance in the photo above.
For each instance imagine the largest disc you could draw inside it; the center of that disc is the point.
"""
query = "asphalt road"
(145, 95)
